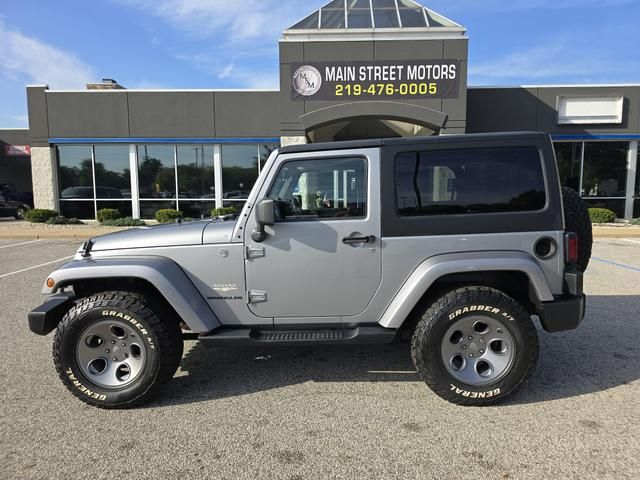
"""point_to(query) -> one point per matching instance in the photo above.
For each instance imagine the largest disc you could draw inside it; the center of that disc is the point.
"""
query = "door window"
(321, 189)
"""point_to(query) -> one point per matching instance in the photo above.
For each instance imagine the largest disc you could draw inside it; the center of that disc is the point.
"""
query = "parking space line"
(616, 264)
(632, 241)
(21, 243)
(36, 266)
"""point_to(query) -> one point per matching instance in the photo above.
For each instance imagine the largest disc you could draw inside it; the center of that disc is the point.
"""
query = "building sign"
(17, 150)
(375, 80)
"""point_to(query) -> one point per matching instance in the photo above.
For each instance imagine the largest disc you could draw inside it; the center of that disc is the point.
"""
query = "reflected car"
(86, 193)
(11, 208)
(241, 194)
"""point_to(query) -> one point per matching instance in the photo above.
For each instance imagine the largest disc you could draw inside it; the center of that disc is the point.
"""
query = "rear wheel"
(577, 220)
(475, 346)
(113, 350)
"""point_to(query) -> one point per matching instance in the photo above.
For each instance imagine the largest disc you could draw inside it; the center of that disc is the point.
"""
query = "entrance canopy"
(373, 119)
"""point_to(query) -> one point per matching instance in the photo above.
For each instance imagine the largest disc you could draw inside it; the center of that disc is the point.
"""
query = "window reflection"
(113, 176)
(195, 171)
(239, 170)
(265, 151)
(569, 156)
(75, 172)
(156, 171)
(157, 166)
(605, 169)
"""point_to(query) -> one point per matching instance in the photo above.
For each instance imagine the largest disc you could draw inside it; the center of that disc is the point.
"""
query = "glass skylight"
(367, 14)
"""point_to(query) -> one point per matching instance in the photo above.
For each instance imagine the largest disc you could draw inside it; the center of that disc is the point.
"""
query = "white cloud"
(503, 5)
(226, 71)
(244, 75)
(146, 85)
(560, 60)
(23, 120)
(32, 61)
(237, 21)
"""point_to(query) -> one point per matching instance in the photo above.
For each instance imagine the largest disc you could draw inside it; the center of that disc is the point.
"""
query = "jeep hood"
(167, 235)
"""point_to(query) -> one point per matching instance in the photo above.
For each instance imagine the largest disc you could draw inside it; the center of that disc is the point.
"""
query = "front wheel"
(475, 346)
(112, 349)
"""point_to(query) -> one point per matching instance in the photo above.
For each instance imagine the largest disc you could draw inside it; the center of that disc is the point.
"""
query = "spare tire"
(577, 220)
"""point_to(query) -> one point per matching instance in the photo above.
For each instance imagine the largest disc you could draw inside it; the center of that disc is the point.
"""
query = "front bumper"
(45, 318)
(567, 311)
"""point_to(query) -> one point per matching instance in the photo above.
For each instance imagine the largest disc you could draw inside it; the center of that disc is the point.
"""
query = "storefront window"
(615, 205)
(192, 192)
(569, 157)
(113, 175)
(195, 171)
(75, 179)
(123, 206)
(265, 151)
(156, 171)
(239, 170)
(605, 169)
(75, 172)
(156, 178)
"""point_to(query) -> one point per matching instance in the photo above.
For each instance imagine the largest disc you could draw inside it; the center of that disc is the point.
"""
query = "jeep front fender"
(438, 266)
(164, 274)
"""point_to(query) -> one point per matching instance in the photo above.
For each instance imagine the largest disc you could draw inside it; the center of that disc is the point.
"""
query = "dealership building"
(353, 69)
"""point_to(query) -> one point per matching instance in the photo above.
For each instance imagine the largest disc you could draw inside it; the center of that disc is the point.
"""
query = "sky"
(154, 44)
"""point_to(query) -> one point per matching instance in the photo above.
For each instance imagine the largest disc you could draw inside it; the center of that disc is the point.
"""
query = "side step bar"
(248, 336)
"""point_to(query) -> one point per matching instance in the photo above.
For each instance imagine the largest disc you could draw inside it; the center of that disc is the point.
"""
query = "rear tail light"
(571, 247)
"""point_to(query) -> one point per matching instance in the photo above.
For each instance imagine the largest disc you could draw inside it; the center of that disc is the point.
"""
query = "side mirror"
(265, 215)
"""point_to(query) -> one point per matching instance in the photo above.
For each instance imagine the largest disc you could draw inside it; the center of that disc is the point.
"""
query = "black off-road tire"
(471, 302)
(158, 333)
(577, 220)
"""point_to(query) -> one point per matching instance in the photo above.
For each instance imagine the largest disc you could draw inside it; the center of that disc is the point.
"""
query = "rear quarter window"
(469, 181)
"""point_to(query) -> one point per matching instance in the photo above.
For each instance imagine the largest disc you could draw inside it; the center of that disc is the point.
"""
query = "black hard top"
(380, 142)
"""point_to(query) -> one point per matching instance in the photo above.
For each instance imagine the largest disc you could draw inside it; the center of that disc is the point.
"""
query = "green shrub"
(635, 221)
(63, 221)
(124, 222)
(168, 215)
(601, 215)
(221, 212)
(40, 215)
(108, 214)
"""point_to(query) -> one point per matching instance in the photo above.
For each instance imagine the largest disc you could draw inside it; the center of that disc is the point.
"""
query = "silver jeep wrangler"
(456, 242)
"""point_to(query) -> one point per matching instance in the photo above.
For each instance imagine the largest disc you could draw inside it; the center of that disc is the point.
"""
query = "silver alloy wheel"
(477, 350)
(111, 354)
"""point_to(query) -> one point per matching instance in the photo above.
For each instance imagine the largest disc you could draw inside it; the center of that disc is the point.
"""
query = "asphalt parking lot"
(329, 412)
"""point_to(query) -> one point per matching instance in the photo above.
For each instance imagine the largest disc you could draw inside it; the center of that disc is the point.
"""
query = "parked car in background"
(9, 191)
(11, 208)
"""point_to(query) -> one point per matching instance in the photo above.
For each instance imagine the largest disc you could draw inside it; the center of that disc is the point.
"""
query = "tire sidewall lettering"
(74, 377)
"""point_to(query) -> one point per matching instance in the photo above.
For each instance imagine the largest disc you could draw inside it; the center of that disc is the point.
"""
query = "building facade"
(350, 70)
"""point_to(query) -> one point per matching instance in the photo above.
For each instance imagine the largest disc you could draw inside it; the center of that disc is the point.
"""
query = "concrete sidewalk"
(20, 230)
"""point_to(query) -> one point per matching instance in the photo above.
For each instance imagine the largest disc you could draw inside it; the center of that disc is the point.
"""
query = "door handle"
(352, 240)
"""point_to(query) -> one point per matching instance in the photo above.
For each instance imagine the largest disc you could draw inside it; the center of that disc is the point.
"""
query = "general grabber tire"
(114, 349)
(577, 220)
(475, 346)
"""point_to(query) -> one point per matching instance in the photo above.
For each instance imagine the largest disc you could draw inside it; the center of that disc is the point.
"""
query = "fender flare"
(164, 274)
(438, 266)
